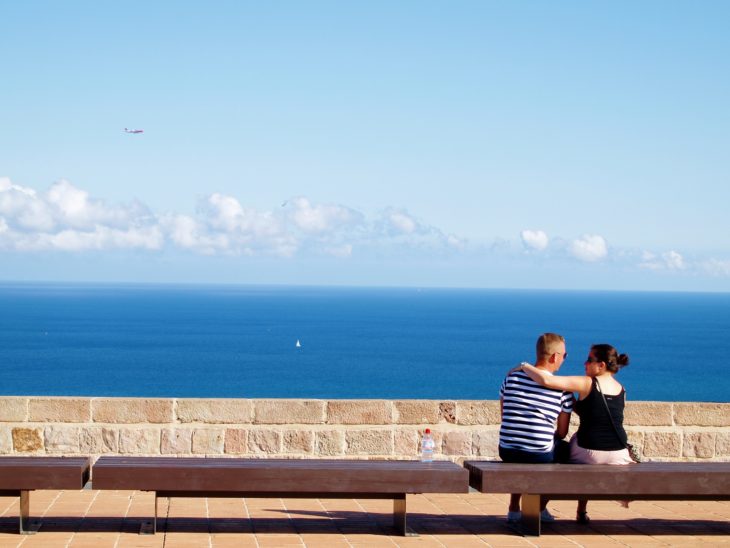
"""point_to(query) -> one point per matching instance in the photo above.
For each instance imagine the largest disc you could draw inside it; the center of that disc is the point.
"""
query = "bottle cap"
(427, 431)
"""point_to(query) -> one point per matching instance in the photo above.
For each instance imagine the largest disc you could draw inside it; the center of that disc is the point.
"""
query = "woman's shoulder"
(614, 389)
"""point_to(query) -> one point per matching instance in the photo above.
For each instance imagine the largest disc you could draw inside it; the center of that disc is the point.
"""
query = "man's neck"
(544, 365)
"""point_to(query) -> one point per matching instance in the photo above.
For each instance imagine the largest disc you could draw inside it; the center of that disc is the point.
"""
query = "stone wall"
(320, 428)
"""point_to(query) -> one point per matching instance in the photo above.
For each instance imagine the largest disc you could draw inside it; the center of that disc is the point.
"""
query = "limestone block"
(329, 443)
(61, 439)
(702, 414)
(368, 442)
(647, 413)
(97, 439)
(132, 410)
(457, 443)
(208, 441)
(416, 412)
(6, 441)
(662, 444)
(478, 412)
(236, 441)
(176, 441)
(485, 443)
(27, 440)
(59, 410)
(698, 444)
(139, 441)
(267, 442)
(289, 411)
(447, 411)
(722, 444)
(360, 412)
(13, 409)
(298, 441)
(215, 411)
(407, 443)
(637, 440)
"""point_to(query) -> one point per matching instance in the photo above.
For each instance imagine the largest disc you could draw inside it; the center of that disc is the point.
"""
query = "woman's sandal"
(582, 518)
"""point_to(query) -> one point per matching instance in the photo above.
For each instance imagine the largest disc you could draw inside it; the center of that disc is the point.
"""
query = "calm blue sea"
(223, 341)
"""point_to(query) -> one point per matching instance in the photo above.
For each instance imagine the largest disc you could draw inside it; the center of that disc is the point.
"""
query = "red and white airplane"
(133, 130)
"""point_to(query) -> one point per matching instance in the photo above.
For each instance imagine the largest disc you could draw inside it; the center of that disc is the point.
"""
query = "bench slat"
(33, 473)
(646, 480)
(278, 476)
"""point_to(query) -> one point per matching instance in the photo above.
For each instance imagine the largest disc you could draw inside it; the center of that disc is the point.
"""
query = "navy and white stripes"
(530, 412)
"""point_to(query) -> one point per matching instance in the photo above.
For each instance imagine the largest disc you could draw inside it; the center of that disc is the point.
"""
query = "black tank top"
(595, 430)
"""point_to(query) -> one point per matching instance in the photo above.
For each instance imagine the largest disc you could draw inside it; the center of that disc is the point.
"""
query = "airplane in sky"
(133, 130)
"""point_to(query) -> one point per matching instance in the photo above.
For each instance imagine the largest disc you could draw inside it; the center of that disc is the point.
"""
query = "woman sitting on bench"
(601, 438)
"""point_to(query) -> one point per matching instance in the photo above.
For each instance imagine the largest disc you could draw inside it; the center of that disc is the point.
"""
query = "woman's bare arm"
(581, 384)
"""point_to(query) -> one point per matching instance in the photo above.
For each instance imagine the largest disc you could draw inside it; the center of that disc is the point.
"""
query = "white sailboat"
(298, 345)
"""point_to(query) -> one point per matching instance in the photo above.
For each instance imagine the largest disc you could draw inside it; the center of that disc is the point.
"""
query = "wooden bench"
(21, 475)
(277, 478)
(645, 481)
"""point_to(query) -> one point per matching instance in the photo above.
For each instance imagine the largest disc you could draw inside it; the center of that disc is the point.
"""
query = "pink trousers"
(578, 455)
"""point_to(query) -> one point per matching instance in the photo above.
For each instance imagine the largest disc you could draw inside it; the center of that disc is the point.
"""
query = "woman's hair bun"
(622, 360)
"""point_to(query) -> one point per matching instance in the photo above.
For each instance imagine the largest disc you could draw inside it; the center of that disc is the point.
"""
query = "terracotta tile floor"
(113, 518)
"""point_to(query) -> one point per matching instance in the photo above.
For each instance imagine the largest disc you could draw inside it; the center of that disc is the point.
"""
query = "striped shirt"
(530, 413)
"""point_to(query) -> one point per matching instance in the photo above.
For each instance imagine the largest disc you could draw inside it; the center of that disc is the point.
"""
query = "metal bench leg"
(150, 527)
(531, 515)
(399, 516)
(26, 526)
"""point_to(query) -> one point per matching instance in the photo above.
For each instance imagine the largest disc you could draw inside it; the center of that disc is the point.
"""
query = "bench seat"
(645, 481)
(21, 475)
(280, 478)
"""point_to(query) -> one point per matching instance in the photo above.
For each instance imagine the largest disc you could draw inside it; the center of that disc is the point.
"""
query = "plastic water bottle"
(427, 446)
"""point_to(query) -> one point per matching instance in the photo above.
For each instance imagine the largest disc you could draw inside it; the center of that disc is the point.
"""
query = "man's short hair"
(547, 345)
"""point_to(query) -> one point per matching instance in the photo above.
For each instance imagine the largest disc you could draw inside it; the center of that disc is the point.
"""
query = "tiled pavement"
(112, 519)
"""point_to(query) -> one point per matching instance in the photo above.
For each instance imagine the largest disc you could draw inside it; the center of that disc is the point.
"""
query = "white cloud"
(63, 206)
(670, 260)
(23, 208)
(68, 218)
(73, 207)
(400, 222)
(534, 239)
(589, 248)
(188, 233)
(65, 218)
(397, 225)
(225, 212)
(6, 185)
(72, 203)
(455, 242)
(673, 260)
(716, 267)
(320, 218)
(100, 238)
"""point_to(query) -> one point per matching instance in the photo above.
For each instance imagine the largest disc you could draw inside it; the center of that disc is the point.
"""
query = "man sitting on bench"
(533, 416)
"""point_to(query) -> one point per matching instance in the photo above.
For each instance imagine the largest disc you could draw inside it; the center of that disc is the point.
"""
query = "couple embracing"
(536, 407)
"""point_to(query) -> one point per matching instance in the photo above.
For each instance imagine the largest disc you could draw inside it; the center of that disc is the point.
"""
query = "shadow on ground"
(345, 522)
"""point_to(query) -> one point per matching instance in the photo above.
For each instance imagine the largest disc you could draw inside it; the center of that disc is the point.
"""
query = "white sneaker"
(546, 516)
(514, 517)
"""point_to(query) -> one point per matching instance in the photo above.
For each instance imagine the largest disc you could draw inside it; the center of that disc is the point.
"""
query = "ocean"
(241, 341)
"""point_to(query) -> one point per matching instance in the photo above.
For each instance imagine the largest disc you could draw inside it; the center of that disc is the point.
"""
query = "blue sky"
(468, 144)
